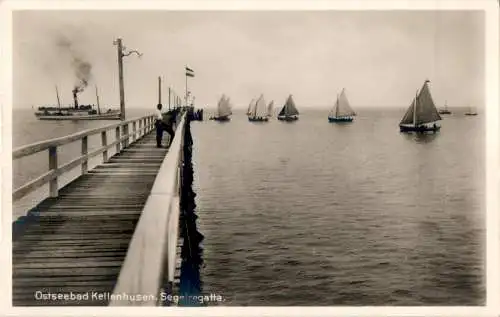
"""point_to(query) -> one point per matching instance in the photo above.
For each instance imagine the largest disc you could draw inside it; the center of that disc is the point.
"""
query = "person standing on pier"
(159, 125)
(163, 123)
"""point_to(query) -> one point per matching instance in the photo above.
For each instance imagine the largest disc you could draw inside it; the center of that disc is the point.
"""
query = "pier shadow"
(190, 285)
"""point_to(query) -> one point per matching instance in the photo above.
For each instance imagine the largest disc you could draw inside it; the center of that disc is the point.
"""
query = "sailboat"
(259, 111)
(250, 107)
(289, 112)
(223, 110)
(445, 110)
(421, 113)
(270, 109)
(471, 112)
(342, 111)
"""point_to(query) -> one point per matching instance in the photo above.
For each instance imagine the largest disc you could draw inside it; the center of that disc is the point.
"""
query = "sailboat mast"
(58, 100)
(287, 106)
(415, 109)
(97, 97)
(249, 110)
(337, 107)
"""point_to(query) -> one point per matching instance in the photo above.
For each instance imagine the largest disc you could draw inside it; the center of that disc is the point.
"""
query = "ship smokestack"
(75, 97)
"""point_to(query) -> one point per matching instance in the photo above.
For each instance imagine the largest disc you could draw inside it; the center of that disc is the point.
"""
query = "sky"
(380, 57)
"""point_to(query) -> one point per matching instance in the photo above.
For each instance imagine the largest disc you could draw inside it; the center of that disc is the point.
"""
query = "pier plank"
(77, 242)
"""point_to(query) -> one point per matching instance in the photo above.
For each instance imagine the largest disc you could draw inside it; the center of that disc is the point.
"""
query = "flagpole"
(159, 89)
(168, 98)
(185, 73)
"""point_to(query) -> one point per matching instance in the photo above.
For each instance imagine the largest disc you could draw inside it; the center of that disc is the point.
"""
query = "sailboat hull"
(258, 119)
(444, 112)
(419, 129)
(222, 119)
(288, 118)
(471, 114)
(340, 119)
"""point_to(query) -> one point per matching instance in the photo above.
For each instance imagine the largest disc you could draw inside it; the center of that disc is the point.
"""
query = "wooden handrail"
(146, 124)
(150, 258)
(33, 148)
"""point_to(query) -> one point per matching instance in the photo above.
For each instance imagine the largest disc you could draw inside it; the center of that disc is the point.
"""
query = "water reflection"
(421, 137)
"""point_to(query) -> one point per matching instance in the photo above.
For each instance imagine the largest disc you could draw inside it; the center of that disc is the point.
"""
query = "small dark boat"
(222, 118)
(421, 128)
(422, 114)
(340, 119)
(289, 111)
(258, 119)
(342, 111)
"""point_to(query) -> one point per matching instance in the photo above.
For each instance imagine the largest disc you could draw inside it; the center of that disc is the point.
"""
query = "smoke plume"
(83, 73)
(81, 67)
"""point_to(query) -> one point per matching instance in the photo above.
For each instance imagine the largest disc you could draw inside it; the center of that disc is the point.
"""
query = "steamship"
(76, 112)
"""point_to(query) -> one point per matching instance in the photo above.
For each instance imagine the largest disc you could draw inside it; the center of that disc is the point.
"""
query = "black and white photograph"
(236, 157)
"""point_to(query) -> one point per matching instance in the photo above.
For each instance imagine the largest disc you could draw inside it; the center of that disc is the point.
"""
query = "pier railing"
(140, 126)
(150, 261)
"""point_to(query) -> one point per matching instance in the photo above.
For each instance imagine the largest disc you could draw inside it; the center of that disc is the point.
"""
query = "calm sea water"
(313, 213)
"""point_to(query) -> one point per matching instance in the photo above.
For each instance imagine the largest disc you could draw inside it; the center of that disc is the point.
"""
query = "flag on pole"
(189, 72)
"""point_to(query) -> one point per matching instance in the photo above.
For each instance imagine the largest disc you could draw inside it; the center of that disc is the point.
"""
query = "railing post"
(125, 133)
(140, 128)
(53, 185)
(85, 162)
(104, 142)
(117, 133)
(134, 131)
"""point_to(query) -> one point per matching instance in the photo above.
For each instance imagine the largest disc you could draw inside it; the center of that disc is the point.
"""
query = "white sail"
(250, 107)
(270, 109)
(221, 101)
(342, 107)
(224, 107)
(260, 108)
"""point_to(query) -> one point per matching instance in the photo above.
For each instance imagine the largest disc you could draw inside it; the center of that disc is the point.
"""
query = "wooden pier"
(112, 234)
